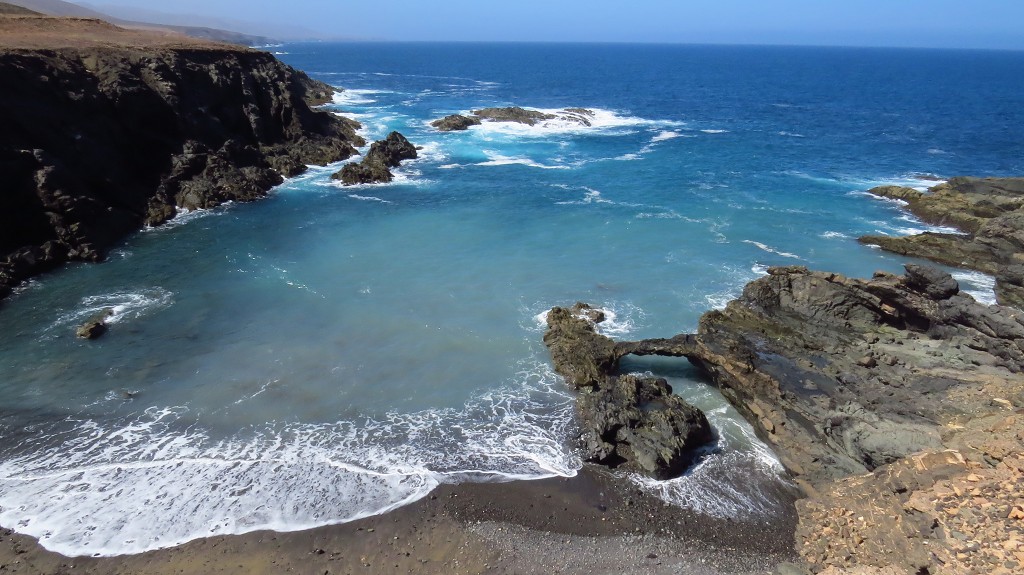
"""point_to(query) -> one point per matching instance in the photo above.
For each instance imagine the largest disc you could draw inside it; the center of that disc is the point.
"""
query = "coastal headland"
(896, 402)
(107, 130)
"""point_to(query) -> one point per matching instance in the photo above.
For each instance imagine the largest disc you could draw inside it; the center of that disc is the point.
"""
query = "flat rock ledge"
(989, 214)
(896, 403)
(515, 114)
(374, 169)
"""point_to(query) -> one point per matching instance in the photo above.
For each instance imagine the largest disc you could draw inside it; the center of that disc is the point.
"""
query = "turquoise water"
(330, 353)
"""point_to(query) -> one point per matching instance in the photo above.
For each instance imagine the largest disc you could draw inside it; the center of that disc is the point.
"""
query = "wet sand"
(594, 523)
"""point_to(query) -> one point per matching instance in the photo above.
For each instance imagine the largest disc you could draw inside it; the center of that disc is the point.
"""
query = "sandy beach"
(593, 523)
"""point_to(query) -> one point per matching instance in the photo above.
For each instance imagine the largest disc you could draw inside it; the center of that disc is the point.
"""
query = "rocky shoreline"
(989, 214)
(112, 130)
(896, 403)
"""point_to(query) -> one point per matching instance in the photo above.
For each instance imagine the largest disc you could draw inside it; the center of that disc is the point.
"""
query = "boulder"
(95, 326)
(455, 122)
(383, 154)
(638, 423)
(391, 150)
(626, 421)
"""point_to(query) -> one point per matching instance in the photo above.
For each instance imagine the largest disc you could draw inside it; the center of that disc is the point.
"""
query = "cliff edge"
(107, 130)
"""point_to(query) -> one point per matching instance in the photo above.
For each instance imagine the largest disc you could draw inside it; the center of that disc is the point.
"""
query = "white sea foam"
(771, 250)
(833, 235)
(667, 215)
(620, 319)
(666, 135)
(602, 121)
(496, 159)
(715, 131)
(356, 97)
(739, 478)
(919, 182)
(980, 286)
(158, 479)
(791, 134)
(927, 227)
(592, 196)
(183, 216)
(369, 198)
(732, 289)
(122, 305)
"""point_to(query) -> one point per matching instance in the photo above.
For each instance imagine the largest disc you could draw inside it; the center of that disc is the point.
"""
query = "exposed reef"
(374, 168)
(513, 114)
(990, 214)
(879, 396)
(99, 141)
(455, 122)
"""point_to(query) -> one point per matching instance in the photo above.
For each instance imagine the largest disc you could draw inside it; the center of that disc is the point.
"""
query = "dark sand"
(594, 523)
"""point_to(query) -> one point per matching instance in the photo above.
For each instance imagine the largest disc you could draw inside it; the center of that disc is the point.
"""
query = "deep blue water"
(334, 352)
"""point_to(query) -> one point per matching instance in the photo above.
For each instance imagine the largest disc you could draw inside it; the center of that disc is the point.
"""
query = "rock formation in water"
(100, 139)
(897, 404)
(455, 122)
(626, 420)
(513, 114)
(374, 168)
(95, 326)
(989, 212)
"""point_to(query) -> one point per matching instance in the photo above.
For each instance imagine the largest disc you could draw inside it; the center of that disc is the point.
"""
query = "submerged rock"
(95, 326)
(383, 154)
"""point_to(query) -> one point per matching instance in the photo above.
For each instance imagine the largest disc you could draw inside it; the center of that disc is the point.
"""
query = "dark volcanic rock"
(990, 212)
(383, 154)
(580, 116)
(392, 150)
(629, 421)
(455, 122)
(638, 422)
(513, 114)
(95, 326)
(98, 142)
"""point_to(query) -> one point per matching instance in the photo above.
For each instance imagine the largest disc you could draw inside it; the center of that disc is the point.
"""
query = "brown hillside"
(35, 32)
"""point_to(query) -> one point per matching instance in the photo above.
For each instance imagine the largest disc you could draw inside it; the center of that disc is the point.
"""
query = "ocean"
(331, 353)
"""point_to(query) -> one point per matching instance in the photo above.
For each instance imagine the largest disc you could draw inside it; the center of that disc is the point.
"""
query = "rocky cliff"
(101, 140)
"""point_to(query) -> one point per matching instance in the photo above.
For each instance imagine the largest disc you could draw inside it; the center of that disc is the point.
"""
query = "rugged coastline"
(109, 130)
(988, 213)
(895, 402)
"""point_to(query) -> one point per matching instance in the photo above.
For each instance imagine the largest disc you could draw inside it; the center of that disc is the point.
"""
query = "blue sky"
(928, 23)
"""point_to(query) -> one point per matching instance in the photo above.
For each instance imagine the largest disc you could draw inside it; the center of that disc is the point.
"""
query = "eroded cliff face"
(98, 142)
